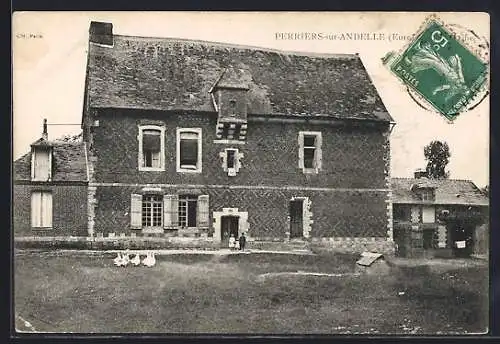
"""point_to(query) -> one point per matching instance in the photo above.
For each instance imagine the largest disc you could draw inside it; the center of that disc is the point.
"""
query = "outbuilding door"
(296, 218)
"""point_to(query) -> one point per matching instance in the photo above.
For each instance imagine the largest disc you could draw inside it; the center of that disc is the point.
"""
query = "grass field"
(201, 293)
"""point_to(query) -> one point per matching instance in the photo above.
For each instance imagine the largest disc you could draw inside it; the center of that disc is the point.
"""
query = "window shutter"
(301, 150)
(135, 211)
(319, 155)
(47, 209)
(203, 212)
(35, 209)
(170, 211)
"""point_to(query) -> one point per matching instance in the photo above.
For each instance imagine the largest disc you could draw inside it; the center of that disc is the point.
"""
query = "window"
(401, 213)
(152, 210)
(41, 209)
(187, 211)
(41, 164)
(232, 108)
(151, 148)
(189, 150)
(231, 157)
(231, 161)
(427, 195)
(310, 154)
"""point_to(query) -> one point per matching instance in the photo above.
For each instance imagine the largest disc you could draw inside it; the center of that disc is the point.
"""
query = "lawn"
(247, 293)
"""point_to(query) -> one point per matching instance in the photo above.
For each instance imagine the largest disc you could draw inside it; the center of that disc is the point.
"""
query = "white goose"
(136, 260)
(118, 261)
(126, 259)
(150, 260)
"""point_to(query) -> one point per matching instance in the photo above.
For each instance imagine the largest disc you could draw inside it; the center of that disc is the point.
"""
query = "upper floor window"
(427, 195)
(189, 150)
(41, 164)
(151, 148)
(231, 161)
(310, 154)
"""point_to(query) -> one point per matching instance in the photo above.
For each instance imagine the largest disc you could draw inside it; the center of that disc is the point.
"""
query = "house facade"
(207, 140)
(50, 189)
(439, 217)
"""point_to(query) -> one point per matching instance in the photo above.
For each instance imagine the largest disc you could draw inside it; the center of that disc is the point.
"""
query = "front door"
(296, 219)
(229, 227)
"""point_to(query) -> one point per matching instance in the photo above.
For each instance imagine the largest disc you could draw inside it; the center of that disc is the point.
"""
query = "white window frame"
(33, 159)
(318, 153)
(150, 215)
(43, 208)
(183, 204)
(427, 195)
(198, 167)
(231, 172)
(162, 148)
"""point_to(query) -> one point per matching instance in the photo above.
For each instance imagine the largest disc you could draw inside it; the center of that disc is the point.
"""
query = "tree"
(437, 155)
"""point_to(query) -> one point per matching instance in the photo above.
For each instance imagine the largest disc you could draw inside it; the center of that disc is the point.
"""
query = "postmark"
(439, 68)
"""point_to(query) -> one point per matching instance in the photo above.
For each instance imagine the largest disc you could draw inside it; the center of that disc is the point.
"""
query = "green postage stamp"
(441, 69)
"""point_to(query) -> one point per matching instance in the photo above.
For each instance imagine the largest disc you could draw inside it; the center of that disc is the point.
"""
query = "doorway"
(229, 227)
(296, 218)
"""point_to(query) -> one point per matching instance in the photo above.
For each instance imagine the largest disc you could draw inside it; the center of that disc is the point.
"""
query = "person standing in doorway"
(232, 242)
(242, 241)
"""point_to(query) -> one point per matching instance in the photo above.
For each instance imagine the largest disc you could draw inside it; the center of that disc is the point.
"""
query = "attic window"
(232, 107)
(41, 164)
(427, 195)
(151, 148)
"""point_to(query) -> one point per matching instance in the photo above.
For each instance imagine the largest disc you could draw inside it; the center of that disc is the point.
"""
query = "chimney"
(45, 135)
(101, 33)
(420, 173)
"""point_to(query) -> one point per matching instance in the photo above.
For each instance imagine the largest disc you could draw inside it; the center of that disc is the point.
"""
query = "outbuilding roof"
(447, 191)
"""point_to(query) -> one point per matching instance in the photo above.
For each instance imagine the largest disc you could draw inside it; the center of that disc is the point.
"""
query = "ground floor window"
(188, 206)
(152, 210)
(41, 209)
(155, 211)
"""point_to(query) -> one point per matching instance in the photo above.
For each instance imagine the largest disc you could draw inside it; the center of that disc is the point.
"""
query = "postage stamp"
(441, 69)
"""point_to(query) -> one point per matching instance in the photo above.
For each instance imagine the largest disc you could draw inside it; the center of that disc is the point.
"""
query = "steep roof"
(68, 159)
(447, 191)
(175, 74)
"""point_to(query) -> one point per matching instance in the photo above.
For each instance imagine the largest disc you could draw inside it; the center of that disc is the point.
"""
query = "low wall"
(348, 245)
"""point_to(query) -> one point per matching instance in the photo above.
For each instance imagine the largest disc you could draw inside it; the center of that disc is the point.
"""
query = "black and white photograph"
(251, 173)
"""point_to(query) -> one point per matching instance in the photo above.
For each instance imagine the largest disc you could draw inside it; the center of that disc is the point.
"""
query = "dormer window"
(41, 164)
(189, 150)
(427, 195)
(151, 148)
(232, 107)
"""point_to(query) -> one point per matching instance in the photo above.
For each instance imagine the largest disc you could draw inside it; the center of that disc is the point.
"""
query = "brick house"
(50, 189)
(206, 140)
(439, 217)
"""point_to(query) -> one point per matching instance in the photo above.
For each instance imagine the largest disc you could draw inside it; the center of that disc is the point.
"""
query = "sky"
(50, 52)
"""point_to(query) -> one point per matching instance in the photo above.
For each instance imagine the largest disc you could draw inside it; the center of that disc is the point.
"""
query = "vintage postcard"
(251, 173)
